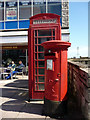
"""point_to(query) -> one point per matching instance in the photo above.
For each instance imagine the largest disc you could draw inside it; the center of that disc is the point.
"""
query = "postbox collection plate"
(49, 64)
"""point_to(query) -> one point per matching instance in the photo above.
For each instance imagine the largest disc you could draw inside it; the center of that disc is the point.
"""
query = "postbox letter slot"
(56, 80)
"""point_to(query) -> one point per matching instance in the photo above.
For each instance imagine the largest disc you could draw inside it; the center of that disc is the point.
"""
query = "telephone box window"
(53, 38)
(41, 40)
(41, 78)
(40, 55)
(40, 49)
(41, 63)
(41, 71)
(41, 87)
(44, 32)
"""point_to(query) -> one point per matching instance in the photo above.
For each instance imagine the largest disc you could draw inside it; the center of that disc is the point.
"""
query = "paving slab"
(29, 115)
(10, 114)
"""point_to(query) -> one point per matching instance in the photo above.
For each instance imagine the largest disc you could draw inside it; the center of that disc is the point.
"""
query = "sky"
(78, 28)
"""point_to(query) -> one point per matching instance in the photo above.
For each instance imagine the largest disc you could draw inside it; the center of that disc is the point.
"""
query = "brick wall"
(79, 83)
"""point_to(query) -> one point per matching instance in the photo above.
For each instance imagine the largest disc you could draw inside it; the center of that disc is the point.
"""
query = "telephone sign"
(44, 21)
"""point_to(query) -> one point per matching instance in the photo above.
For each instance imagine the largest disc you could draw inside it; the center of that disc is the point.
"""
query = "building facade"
(14, 24)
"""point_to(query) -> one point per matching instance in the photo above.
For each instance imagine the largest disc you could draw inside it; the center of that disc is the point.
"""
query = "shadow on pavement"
(21, 106)
(18, 84)
(18, 91)
(18, 94)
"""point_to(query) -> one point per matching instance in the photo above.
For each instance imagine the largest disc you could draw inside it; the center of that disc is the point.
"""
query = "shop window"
(24, 9)
(54, 7)
(15, 55)
(11, 12)
(39, 7)
(1, 11)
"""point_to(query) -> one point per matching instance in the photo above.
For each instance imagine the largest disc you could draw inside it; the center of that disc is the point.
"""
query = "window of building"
(11, 12)
(24, 9)
(39, 7)
(54, 7)
(15, 55)
(1, 11)
(16, 13)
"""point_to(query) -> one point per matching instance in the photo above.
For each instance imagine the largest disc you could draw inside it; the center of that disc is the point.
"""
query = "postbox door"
(40, 36)
(52, 85)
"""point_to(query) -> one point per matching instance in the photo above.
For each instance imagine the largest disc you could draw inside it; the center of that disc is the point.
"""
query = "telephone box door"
(40, 36)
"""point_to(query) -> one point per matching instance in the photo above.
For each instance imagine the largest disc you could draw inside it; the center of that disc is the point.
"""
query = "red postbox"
(56, 77)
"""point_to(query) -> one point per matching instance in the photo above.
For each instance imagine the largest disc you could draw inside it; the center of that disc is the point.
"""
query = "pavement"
(14, 103)
(14, 100)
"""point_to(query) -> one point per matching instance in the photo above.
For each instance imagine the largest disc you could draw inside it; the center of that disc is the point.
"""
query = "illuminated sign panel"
(11, 10)
(44, 21)
(11, 13)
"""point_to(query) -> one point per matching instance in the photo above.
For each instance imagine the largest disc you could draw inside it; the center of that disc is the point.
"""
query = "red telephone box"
(56, 77)
(43, 27)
